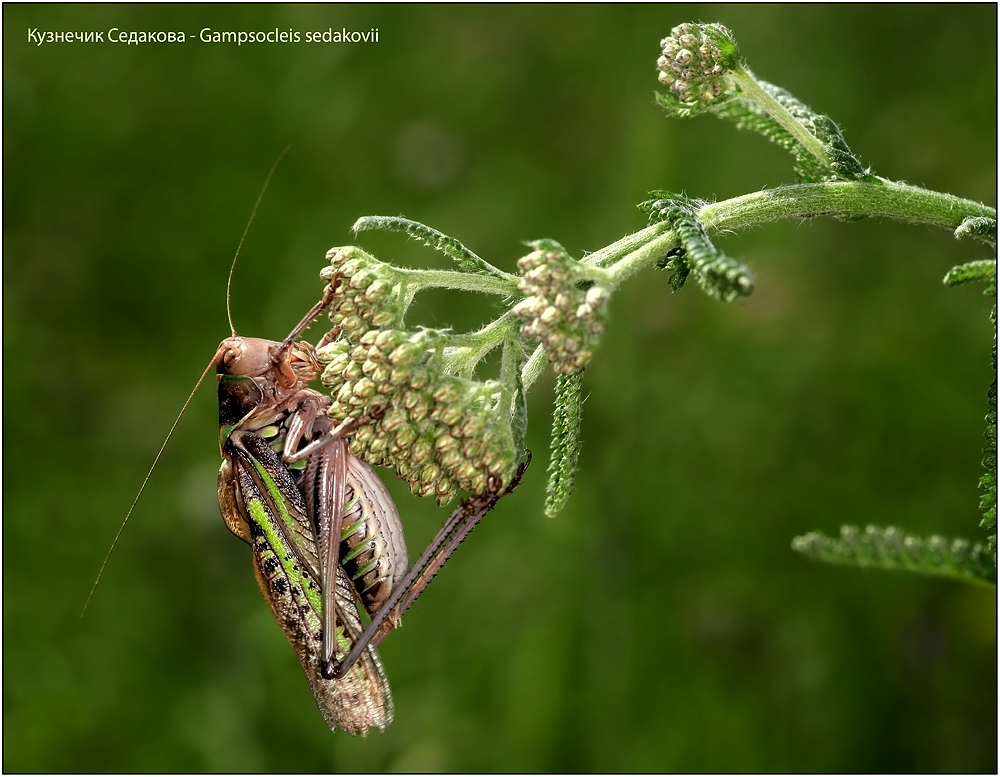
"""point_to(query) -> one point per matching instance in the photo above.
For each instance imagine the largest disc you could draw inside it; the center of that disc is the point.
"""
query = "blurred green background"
(661, 622)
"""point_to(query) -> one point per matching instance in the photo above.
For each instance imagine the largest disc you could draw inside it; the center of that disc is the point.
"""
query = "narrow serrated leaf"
(980, 270)
(512, 363)
(565, 447)
(978, 227)
(891, 548)
(447, 245)
(719, 275)
(749, 117)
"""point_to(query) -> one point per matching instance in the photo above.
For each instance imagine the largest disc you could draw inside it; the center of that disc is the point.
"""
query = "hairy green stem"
(465, 351)
(418, 280)
(534, 367)
(753, 92)
(897, 201)
(461, 281)
(625, 245)
(650, 253)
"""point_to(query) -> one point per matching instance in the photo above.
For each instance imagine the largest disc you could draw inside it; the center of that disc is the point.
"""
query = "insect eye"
(232, 355)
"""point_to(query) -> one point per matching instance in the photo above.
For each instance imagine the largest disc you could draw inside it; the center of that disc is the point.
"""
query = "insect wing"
(286, 564)
(325, 488)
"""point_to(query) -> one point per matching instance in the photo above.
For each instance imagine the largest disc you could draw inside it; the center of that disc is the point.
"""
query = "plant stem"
(462, 281)
(533, 367)
(417, 280)
(650, 253)
(465, 351)
(625, 245)
(753, 92)
(889, 199)
(619, 261)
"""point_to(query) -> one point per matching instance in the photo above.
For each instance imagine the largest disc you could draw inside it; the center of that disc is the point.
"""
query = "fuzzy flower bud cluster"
(441, 433)
(695, 61)
(368, 293)
(562, 309)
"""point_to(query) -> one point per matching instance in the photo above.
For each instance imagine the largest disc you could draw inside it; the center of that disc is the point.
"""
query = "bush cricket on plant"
(283, 488)
(324, 532)
(268, 496)
(290, 502)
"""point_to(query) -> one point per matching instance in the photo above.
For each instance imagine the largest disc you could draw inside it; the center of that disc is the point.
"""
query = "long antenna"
(187, 402)
(253, 213)
(144, 482)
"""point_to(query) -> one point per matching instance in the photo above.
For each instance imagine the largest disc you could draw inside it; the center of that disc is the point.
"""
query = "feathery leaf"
(447, 245)
(566, 442)
(891, 548)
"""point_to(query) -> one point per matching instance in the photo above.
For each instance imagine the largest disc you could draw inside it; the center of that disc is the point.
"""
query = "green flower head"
(442, 433)
(696, 60)
(368, 293)
(562, 307)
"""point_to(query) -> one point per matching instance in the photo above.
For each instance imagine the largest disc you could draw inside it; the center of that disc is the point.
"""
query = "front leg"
(301, 427)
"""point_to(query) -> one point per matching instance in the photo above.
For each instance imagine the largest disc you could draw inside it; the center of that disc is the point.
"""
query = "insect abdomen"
(372, 547)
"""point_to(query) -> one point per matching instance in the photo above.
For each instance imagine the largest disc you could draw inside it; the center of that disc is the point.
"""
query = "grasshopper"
(283, 488)
(324, 533)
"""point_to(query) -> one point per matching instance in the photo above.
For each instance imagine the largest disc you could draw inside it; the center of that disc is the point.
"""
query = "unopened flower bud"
(422, 450)
(405, 436)
(352, 372)
(445, 442)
